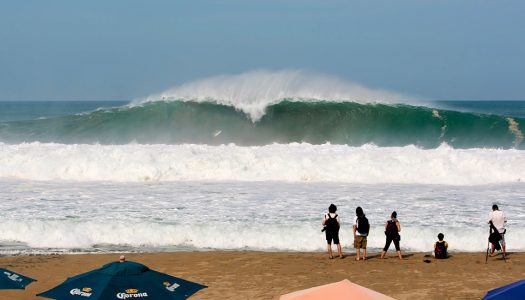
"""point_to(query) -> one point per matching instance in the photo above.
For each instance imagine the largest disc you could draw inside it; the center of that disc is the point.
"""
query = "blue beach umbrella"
(511, 291)
(12, 280)
(123, 280)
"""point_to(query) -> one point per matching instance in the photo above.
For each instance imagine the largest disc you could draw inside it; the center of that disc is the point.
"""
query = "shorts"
(332, 236)
(360, 242)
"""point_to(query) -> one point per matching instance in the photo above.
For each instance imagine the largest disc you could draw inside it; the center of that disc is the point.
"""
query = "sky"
(126, 49)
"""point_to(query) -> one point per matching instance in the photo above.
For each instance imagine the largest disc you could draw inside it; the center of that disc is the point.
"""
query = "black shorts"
(332, 236)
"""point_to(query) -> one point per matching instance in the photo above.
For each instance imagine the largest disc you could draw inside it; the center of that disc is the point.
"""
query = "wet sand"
(263, 275)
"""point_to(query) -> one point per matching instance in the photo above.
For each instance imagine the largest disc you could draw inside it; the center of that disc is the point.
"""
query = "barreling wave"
(288, 121)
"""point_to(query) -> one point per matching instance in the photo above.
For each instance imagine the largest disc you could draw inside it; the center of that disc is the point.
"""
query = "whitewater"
(367, 164)
(251, 162)
(55, 216)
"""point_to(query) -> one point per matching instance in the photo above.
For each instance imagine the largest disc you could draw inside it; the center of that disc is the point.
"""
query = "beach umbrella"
(123, 280)
(342, 290)
(511, 291)
(11, 280)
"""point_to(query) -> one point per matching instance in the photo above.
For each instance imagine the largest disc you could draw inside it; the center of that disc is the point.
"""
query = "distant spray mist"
(254, 91)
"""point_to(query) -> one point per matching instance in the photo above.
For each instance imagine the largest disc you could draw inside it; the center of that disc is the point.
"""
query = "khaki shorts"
(360, 242)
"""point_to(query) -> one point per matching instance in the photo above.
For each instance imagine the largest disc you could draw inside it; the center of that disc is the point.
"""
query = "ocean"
(173, 173)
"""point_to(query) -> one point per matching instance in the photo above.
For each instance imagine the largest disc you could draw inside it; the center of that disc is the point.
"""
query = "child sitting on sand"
(440, 247)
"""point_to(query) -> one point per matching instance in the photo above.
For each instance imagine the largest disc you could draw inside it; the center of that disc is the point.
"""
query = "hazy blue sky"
(119, 50)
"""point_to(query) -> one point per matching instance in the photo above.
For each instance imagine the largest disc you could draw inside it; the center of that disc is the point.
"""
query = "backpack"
(331, 224)
(362, 225)
(440, 251)
(391, 229)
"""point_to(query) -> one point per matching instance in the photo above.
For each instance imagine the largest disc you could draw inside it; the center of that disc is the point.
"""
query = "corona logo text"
(85, 292)
(13, 277)
(131, 294)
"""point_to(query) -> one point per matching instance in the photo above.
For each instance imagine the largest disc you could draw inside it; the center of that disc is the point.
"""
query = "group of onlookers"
(361, 227)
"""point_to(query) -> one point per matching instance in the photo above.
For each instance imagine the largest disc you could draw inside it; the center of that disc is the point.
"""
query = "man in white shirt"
(498, 219)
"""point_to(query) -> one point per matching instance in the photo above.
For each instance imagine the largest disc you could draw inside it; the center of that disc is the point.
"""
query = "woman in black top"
(392, 229)
(331, 225)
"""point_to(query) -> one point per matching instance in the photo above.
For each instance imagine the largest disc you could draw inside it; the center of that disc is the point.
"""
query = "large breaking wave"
(289, 121)
(262, 108)
(253, 92)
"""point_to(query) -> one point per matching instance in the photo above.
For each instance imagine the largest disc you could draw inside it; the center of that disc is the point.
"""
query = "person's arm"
(324, 220)
(338, 221)
(398, 226)
(355, 229)
(446, 245)
(490, 218)
(504, 218)
(435, 246)
(386, 225)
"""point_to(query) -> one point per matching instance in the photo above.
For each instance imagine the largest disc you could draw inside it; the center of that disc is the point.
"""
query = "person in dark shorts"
(392, 229)
(331, 227)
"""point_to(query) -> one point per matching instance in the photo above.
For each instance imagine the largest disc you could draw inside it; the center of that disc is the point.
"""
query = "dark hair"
(495, 207)
(332, 208)
(440, 236)
(394, 215)
(359, 211)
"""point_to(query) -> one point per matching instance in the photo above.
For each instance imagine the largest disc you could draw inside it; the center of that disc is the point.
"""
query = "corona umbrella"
(123, 280)
(511, 291)
(11, 280)
(342, 290)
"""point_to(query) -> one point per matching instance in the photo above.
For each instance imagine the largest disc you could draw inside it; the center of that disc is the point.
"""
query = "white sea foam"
(277, 162)
(108, 216)
(252, 92)
(296, 237)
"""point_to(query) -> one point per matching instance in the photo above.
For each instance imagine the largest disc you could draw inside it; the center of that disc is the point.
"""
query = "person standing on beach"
(361, 229)
(499, 220)
(331, 227)
(392, 229)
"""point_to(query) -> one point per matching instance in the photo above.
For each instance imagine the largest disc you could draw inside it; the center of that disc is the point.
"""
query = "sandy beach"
(263, 275)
